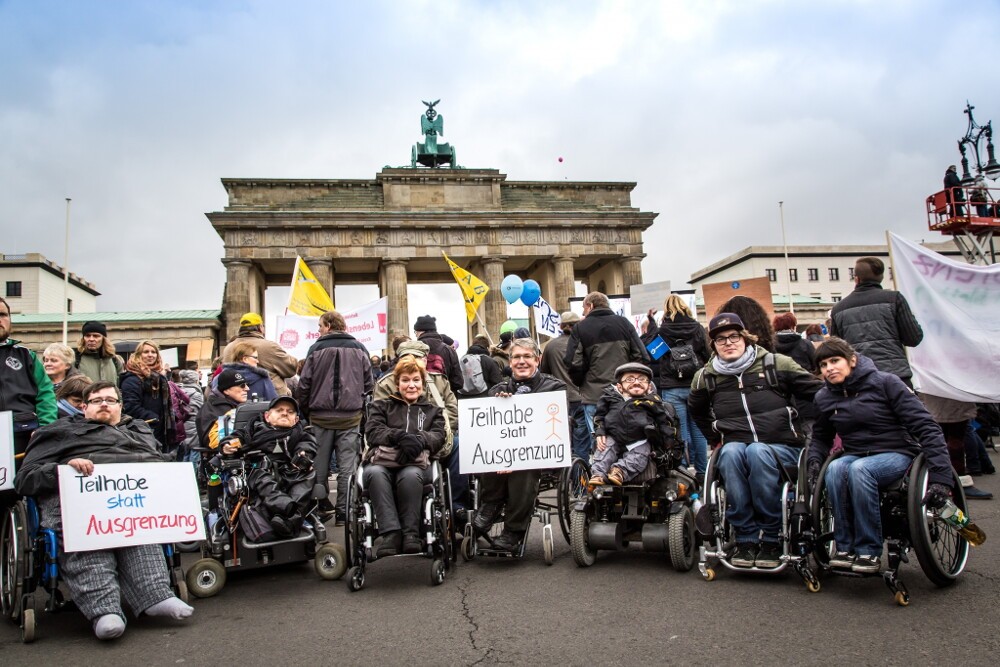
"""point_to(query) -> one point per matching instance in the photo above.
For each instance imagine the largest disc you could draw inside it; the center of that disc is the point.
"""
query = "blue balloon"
(511, 288)
(530, 292)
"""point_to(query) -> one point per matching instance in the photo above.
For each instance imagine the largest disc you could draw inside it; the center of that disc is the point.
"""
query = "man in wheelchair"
(284, 482)
(99, 580)
(743, 398)
(883, 426)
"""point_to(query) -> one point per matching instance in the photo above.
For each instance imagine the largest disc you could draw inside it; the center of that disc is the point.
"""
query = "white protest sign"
(521, 432)
(6, 450)
(547, 320)
(128, 504)
(368, 324)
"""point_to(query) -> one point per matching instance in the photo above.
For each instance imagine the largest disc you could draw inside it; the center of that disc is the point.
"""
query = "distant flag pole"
(308, 297)
(474, 291)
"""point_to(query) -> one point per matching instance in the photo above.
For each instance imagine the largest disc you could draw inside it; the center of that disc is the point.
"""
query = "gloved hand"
(812, 474)
(937, 495)
(302, 460)
(395, 435)
(653, 435)
(410, 446)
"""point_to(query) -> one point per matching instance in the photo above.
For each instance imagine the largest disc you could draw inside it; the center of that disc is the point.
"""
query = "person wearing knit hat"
(271, 357)
(441, 357)
(425, 323)
(95, 355)
(522, 332)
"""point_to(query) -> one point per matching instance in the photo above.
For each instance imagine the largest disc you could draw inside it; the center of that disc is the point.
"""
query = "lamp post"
(973, 137)
(66, 279)
(788, 272)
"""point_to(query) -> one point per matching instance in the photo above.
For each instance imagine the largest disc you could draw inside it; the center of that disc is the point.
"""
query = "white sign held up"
(521, 432)
(6, 450)
(128, 504)
(547, 320)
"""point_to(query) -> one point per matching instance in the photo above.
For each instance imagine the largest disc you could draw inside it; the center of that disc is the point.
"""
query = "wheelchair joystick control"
(954, 516)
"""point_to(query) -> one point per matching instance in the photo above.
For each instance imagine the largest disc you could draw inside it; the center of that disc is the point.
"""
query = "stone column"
(565, 282)
(237, 297)
(323, 270)
(631, 271)
(393, 277)
(494, 308)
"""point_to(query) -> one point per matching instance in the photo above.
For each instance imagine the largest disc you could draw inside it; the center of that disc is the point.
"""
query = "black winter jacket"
(680, 331)
(148, 399)
(216, 405)
(744, 408)
(874, 412)
(798, 348)
(445, 356)
(536, 384)
(335, 379)
(625, 419)
(599, 344)
(279, 444)
(391, 418)
(553, 363)
(878, 323)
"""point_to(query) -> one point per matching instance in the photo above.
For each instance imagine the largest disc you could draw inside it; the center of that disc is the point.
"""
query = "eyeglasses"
(731, 338)
(105, 401)
(522, 357)
(253, 356)
(634, 380)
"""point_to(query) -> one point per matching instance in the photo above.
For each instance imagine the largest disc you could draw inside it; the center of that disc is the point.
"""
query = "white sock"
(109, 626)
(172, 607)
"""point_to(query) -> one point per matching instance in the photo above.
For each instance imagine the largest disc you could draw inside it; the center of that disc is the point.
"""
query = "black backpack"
(684, 362)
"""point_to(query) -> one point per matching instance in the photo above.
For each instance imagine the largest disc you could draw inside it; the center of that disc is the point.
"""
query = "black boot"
(391, 544)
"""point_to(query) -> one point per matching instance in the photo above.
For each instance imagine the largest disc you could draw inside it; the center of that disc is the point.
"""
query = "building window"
(889, 269)
(834, 298)
(813, 275)
(850, 273)
(793, 275)
(834, 274)
(13, 288)
(772, 275)
(69, 306)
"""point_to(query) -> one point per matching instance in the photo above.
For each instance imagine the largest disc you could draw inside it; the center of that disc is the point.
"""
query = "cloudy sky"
(849, 112)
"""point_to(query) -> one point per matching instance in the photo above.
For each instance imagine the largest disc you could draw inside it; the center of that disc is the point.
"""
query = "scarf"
(739, 365)
(136, 365)
(68, 408)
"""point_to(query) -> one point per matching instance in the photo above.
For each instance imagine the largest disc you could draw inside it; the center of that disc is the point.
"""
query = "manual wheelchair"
(795, 536)
(228, 548)
(361, 528)
(29, 560)
(907, 524)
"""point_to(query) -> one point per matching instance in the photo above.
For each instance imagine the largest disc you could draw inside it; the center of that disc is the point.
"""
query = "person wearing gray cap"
(554, 364)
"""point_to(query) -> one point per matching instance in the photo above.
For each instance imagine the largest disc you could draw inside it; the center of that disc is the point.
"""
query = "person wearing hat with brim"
(270, 356)
(441, 358)
(736, 404)
(554, 364)
(230, 392)
(95, 355)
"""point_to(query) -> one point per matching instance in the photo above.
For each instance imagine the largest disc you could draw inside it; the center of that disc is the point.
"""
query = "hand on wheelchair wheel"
(937, 495)
(812, 476)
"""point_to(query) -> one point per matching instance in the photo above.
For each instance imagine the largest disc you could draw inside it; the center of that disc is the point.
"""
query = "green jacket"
(98, 367)
(24, 386)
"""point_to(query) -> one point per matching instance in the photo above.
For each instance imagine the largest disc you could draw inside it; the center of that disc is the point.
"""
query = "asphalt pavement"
(629, 608)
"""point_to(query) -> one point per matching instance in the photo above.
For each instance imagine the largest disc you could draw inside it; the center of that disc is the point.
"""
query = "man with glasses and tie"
(742, 399)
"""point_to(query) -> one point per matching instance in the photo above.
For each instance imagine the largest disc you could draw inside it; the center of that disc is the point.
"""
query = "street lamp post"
(788, 272)
(973, 137)
(66, 279)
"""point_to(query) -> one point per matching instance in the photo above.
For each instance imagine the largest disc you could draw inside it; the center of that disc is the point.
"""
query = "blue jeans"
(752, 481)
(580, 436)
(589, 410)
(689, 432)
(459, 482)
(852, 483)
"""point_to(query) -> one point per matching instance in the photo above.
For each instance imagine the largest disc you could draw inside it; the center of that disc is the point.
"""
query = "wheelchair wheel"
(206, 578)
(13, 560)
(941, 551)
(548, 544)
(572, 487)
(822, 519)
(330, 561)
(28, 626)
(356, 578)
(681, 540)
(352, 536)
(468, 548)
(583, 555)
(437, 572)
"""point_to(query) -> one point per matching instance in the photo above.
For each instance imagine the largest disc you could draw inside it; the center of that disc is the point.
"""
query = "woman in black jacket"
(146, 394)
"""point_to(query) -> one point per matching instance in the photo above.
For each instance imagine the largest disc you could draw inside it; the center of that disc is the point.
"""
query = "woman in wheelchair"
(99, 580)
(403, 432)
(883, 426)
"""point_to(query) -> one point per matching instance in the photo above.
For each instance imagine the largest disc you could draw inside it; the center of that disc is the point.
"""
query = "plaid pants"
(99, 580)
(632, 462)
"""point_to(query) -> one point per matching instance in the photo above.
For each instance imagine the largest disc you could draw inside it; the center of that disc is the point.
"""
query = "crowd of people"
(760, 388)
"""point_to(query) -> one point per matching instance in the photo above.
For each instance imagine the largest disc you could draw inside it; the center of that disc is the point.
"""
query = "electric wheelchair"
(907, 525)
(361, 528)
(29, 561)
(796, 535)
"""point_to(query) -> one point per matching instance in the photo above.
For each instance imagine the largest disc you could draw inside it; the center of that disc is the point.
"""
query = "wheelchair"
(796, 534)
(361, 528)
(654, 510)
(29, 561)
(907, 524)
(228, 548)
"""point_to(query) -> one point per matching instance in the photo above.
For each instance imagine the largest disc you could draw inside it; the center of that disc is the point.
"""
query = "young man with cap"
(285, 487)
(95, 355)
(270, 356)
(441, 358)
(742, 399)
(230, 391)
(554, 364)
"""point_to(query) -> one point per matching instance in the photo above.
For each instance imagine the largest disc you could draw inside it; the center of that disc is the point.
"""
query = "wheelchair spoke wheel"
(572, 487)
(13, 560)
(681, 540)
(941, 551)
(822, 517)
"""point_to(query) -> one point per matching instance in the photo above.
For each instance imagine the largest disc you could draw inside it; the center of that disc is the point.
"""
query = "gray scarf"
(738, 366)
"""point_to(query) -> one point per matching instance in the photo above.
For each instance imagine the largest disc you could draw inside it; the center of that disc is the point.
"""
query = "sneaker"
(595, 481)
(843, 560)
(508, 540)
(339, 518)
(972, 493)
(616, 476)
(769, 555)
(412, 544)
(744, 555)
(391, 544)
(486, 516)
(865, 564)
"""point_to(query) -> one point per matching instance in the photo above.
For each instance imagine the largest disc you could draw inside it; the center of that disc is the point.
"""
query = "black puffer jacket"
(744, 408)
(149, 399)
(216, 405)
(391, 418)
(536, 384)
(443, 355)
(625, 419)
(878, 323)
(599, 344)
(680, 331)
(874, 412)
(798, 348)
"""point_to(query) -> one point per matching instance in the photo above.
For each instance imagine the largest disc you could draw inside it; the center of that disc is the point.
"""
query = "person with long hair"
(753, 316)
(95, 354)
(145, 393)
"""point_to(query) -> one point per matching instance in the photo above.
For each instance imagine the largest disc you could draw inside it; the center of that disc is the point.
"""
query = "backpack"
(684, 363)
(180, 405)
(435, 363)
(770, 377)
(472, 373)
(449, 437)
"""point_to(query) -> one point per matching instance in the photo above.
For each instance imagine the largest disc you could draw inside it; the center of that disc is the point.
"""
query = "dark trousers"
(518, 491)
(954, 435)
(396, 494)
(459, 482)
(286, 497)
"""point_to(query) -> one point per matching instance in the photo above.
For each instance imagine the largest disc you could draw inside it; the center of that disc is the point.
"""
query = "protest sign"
(649, 296)
(128, 504)
(521, 432)
(6, 450)
(547, 320)
(368, 324)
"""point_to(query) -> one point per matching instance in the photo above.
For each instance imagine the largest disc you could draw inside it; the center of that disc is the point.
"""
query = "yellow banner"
(308, 297)
(473, 289)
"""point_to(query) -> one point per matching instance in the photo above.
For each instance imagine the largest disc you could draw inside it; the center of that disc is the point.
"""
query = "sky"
(848, 112)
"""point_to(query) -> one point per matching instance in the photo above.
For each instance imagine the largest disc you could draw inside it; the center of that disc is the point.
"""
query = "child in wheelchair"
(631, 421)
(283, 484)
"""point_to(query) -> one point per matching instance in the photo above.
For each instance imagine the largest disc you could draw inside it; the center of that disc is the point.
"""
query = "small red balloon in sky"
(560, 159)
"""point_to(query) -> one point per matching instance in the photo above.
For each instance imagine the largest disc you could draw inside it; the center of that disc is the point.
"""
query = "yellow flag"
(473, 289)
(308, 297)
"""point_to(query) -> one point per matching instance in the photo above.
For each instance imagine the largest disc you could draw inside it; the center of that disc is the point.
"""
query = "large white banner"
(6, 450)
(521, 432)
(127, 504)
(958, 307)
(369, 324)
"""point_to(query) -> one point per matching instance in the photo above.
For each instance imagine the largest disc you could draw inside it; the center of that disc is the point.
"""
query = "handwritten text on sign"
(127, 504)
(522, 432)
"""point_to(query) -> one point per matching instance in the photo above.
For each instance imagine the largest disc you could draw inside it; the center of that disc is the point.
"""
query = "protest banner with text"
(368, 324)
(6, 450)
